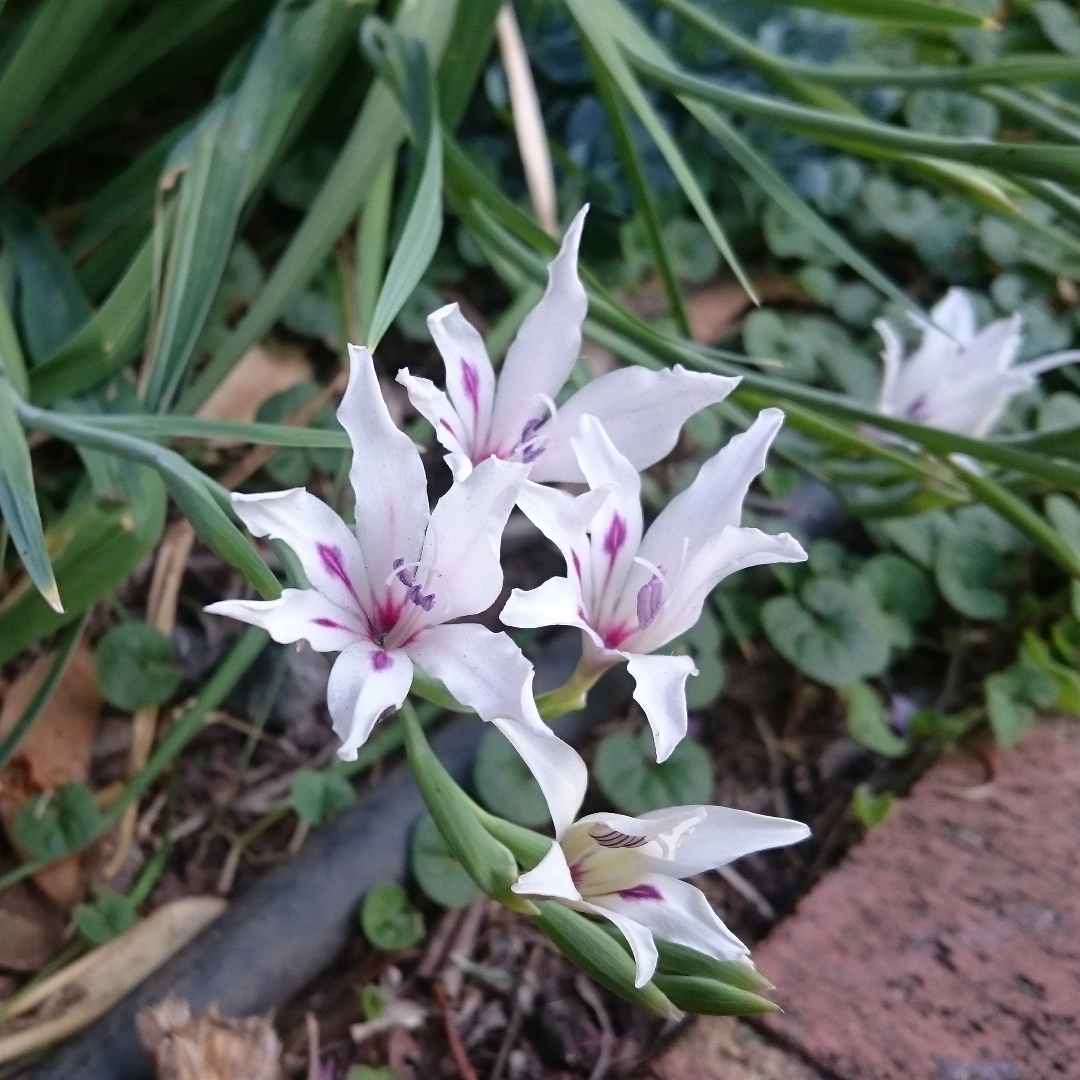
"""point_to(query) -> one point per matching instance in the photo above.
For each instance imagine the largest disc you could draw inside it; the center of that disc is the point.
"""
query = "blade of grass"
(634, 170)
(18, 498)
(12, 361)
(371, 235)
(596, 21)
(922, 14)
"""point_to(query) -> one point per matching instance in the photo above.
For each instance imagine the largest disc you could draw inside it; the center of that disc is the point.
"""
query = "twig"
(523, 1002)
(457, 1048)
(439, 944)
(312, 1026)
(776, 765)
(587, 993)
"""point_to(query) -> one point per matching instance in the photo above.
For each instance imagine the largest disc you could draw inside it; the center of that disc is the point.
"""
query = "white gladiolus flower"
(629, 870)
(960, 378)
(631, 593)
(385, 597)
(513, 416)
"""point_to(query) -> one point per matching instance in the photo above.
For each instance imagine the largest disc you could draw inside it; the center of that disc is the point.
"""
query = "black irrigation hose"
(287, 928)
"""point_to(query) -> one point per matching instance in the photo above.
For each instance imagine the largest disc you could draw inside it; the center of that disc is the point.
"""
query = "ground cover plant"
(822, 320)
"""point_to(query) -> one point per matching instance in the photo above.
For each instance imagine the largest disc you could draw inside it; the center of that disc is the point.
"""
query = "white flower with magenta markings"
(629, 870)
(513, 416)
(960, 378)
(384, 598)
(633, 591)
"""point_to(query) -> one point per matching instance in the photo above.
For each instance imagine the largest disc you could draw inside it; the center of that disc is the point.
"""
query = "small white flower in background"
(960, 378)
(382, 598)
(628, 870)
(514, 417)
(630, 593)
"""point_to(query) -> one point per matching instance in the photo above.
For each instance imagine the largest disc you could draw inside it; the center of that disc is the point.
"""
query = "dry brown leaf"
(78, 994)
(715, 310)
(56, 750)
(259, 375)
(30, 929)
(210, 1047)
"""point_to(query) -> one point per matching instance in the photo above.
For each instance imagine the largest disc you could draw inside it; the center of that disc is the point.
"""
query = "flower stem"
(571, 696)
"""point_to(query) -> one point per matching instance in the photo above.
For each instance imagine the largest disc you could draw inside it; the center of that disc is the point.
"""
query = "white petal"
(434, 406)
(660, 689)
(714, 500)
(461, 550)
(365, 681)
(557, 602)
(996, 344)
(674, 911)
(721, 556)
(387, 474)
(638, 937)
(564, 519)
(546, 347)
(327, 550)
(483, 670)
(891, 358)
(1049, 363)
(550, 877)
(298, 614)
(705, 837)
(616, 529)
(470, 378)
(955, 314)
(642, 412)
(555, 765)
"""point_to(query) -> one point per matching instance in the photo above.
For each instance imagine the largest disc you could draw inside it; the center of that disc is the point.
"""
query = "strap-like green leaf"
(18, 499)
(914, 13)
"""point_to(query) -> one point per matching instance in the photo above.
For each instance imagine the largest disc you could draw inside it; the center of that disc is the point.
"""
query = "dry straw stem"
(528, 120)
(94, 983)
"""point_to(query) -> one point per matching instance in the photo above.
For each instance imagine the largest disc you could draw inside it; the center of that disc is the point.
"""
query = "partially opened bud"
(711, 997)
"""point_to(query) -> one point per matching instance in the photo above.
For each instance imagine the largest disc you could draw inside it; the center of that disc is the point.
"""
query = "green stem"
(571, 696)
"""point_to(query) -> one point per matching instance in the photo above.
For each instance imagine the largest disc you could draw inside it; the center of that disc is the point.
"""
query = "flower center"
(412, 587)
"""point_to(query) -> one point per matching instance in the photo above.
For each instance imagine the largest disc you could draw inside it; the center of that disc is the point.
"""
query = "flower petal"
(365, 681)
(715, 498)
(470, 378)
(555, 765)
(642, 412)
(489, 673)
(387, 474)
(732, 550)
(638, 937)
(332, 560)
(674, 911)
(557, 602)
(660, 690)
(710, 836)
(615, 530)
(434, 406)
(954, 313)
(462, 543)
(892, 356)
(546, 347)
(550, 877)
(298, 614)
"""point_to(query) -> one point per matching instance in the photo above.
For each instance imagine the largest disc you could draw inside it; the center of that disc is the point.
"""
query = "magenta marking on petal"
(471, 380)
(331, 624)
(614, 636)
(334, 564)
(380, 661)
(446, 424)
(577, 563)
(577, 872)
(641, 892)
(615, 536)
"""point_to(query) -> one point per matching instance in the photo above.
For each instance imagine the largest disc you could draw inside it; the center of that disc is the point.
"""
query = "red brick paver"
(946, 946)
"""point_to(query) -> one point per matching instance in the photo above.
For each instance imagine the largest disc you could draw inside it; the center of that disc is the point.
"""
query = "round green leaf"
(969, 570)
(437, 872)
(505, 785)
(1013, 697)
(319, 796)
(627, 772)
(52, 825)
(869, 807)
(950, 112)
(136, 666)
(703, 642)
(388, 920)
(833, 633)
(107, 917)
(902, 591)
(867, 723)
